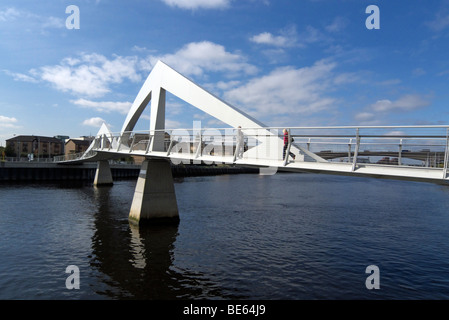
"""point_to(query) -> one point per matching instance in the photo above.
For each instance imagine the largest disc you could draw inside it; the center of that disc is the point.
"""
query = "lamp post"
(32, 143)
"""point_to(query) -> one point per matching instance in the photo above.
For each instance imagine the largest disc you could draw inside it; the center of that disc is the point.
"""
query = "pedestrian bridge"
(417, 153)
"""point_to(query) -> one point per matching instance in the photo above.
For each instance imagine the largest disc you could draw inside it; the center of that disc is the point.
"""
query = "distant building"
(77, 145)
(39, 146)
(63, 140)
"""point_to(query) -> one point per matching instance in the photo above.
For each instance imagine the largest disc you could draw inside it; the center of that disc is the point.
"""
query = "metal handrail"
(199, 138)
(74, 156)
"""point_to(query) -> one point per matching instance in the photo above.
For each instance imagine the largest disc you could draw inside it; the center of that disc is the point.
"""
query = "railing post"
(103, 142)
(446, 154)
(119, 141)
(198, 149)
(132, 143)
(170, 146)
(150, 137)
(110, 142)
(349, 150)
(237, 147)
(356, 152)
(400, 153)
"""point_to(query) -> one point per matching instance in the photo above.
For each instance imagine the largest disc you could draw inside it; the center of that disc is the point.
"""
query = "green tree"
(9, 151)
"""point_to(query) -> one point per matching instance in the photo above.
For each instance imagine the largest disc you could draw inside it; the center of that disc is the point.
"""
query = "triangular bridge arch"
(164, 79)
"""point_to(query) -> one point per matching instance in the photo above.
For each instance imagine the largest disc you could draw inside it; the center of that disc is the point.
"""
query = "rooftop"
(80, 142)
(26, 138)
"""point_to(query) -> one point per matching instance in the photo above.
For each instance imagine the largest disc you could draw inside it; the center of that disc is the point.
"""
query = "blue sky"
(287, 63)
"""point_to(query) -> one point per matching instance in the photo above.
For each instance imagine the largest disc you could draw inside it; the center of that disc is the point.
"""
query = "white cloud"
(30, 18)
(275, 55)
(365, 116)
(195, 58)
(93, 75)
(7, 122)
(312, 35)
(287, 37)
(405, 103)
(227, 85)
(395, 133)
(94, 122)
(90, 74)
(171, 124)
(9, 14)
(348, 77)
(53, 22)
(198, 4)
(286, 90)
(104, 106)
(337, 25)
(377, 111)
(268, 38)
(20, 76)
(440, 22)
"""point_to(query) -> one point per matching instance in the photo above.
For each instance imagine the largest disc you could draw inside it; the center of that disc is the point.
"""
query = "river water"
(245, 236)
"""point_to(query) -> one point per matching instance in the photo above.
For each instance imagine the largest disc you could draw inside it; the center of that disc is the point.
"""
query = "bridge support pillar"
(154, 197)
(103, 174)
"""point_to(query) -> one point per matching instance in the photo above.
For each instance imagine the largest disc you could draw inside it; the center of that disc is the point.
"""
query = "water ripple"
(287, 236)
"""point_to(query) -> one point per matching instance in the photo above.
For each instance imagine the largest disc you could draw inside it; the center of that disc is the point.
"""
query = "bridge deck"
(411, 152)
(269, 166)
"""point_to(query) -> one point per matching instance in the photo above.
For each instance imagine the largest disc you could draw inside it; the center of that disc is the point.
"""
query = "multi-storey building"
(38, 146)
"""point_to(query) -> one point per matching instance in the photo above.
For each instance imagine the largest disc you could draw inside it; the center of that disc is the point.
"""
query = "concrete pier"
(154, 197)
(103, 174)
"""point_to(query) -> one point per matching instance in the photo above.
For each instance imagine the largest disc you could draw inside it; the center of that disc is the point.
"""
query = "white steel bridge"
(403, 152)
(418, 153)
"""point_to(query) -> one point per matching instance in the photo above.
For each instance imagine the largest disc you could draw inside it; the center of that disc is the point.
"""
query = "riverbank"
(42, 171)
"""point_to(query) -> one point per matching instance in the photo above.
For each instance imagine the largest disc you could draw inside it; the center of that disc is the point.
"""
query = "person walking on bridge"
(240, 142)
(286, 138)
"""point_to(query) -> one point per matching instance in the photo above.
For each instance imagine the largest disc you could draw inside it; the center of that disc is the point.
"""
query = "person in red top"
(286, 145)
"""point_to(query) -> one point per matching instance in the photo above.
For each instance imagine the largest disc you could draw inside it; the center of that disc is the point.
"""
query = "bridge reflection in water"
(141, 266)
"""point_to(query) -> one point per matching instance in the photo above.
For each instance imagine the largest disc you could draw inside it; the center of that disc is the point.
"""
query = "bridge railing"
(75, 156)
(218, 142)
(424, 146)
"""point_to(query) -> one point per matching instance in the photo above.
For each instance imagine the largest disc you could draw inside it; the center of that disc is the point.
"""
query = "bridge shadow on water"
(138, 262)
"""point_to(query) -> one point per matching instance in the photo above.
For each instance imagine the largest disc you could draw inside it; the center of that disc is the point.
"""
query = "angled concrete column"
(157, 121)
(103, 175)
(154, 197)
